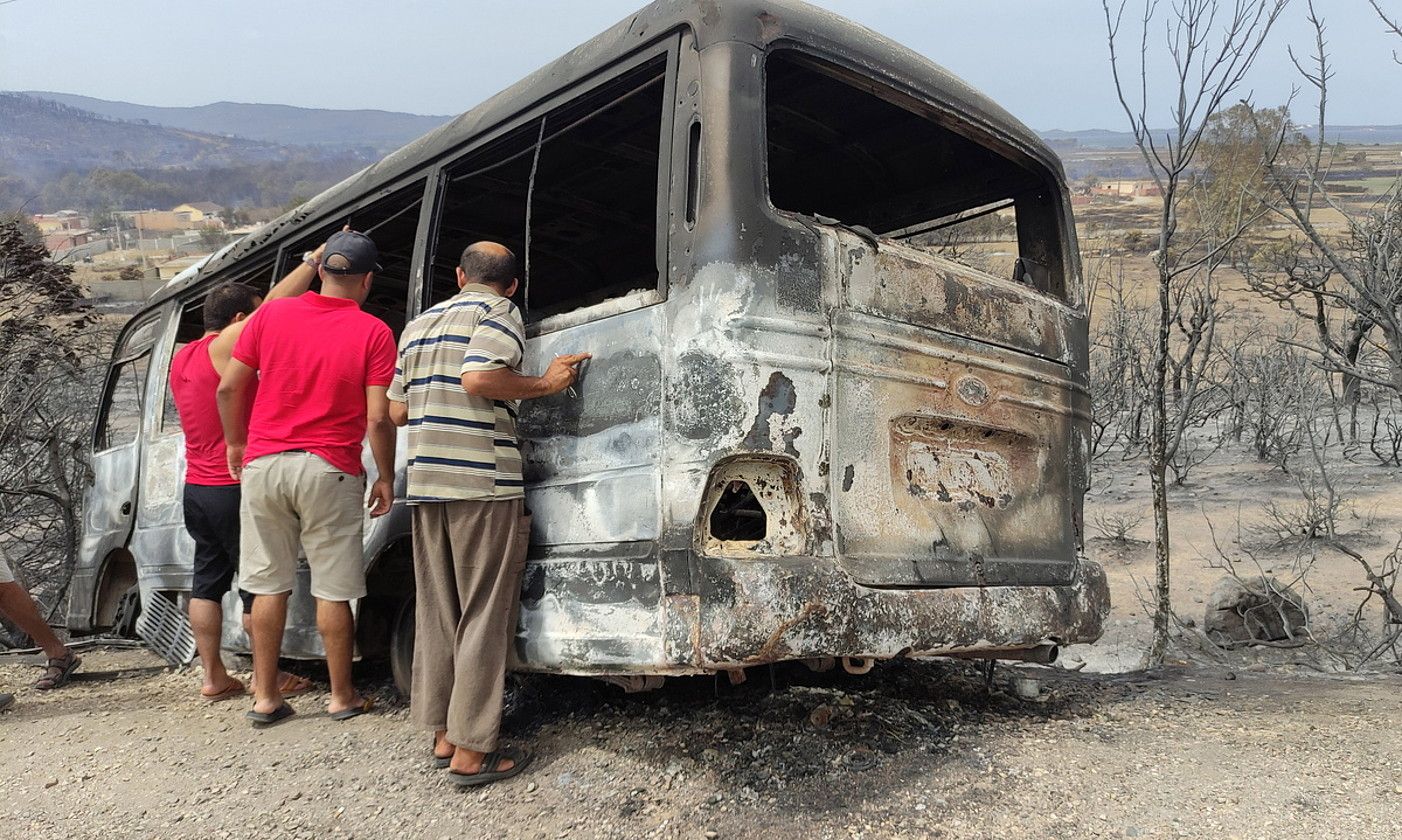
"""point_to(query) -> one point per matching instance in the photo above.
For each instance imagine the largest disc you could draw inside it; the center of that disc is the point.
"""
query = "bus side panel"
(591, 595)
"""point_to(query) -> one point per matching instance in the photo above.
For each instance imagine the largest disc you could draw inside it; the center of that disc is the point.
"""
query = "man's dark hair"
(488, 262)
(227, 300)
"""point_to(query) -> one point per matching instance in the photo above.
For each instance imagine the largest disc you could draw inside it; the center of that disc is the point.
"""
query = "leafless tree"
(1122, 377)
(1270, 388)
(1210, 45)
(1117, 366)
(1347, 286)
(1392, 22)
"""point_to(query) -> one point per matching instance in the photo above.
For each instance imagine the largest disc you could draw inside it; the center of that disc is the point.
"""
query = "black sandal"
(520, 758)
(59, 672)
(440, 761)
(262, 720)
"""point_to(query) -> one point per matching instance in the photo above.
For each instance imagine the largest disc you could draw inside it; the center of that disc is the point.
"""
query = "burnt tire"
(128, 610)
(401, 646)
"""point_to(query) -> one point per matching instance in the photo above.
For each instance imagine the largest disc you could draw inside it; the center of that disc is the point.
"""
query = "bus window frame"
(668, 45)
(159, 427)
(893, 91)
(288, 257)
(132, 347)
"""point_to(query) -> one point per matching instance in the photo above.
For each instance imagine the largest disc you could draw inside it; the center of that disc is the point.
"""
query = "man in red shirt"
(211, 499)
(323, 367)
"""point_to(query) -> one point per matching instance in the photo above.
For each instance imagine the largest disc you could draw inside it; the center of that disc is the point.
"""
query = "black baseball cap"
(350, 252)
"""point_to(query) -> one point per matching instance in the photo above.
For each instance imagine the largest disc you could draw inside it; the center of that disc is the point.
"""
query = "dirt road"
(909, 750)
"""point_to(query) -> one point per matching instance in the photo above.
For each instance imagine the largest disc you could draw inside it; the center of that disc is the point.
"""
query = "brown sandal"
(289, 685)
(234, 689)
(58, 672)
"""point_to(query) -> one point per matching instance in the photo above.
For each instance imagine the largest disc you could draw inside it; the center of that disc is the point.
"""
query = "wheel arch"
(115, 577)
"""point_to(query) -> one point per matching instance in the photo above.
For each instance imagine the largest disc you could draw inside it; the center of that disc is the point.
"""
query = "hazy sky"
(1044, 60)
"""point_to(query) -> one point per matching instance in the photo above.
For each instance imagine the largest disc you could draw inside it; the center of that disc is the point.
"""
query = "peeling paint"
(773, 427)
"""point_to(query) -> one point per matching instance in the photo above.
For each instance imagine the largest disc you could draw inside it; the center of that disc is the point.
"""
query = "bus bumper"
(600, 617)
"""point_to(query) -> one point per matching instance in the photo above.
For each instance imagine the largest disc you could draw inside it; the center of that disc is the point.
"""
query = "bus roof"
(760, 23)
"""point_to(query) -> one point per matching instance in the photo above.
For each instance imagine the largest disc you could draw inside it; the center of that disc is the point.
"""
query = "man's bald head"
(491, 263)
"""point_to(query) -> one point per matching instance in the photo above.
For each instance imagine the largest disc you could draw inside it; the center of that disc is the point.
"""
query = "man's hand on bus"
(563, 372)
(234, 452)
(381, 497)
(506, 384)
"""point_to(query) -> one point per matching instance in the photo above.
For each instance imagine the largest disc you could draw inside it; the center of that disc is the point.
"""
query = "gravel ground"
(909, 750)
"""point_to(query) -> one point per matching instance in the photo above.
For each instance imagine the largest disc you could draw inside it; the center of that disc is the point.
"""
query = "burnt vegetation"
(52, 359)
(1252, 215)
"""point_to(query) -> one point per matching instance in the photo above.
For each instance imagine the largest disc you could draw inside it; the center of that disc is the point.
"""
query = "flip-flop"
(521, 759)
(439, 762)
(354, 711)
(235, 689)
(262, 720)
(292, 685)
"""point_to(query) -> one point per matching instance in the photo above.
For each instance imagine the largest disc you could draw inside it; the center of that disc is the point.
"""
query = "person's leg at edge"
(286, 681)
(19, 607)
(337, 626)
(268, 552)
(331, 510)
(269, 620)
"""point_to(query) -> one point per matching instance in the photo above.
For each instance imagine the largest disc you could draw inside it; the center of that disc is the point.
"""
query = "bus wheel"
(401, 646)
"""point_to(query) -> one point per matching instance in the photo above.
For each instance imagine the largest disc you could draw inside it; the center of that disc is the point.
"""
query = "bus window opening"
(591, 195)
(840, 147)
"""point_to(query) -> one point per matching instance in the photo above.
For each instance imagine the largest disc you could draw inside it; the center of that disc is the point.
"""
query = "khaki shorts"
(6, 576)
(294, 498)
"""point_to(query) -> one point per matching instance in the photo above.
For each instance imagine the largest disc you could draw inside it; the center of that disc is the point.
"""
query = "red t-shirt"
(193, 382)
(315, 356)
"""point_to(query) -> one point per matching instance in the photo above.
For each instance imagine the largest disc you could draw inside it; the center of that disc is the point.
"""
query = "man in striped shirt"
(456, 388)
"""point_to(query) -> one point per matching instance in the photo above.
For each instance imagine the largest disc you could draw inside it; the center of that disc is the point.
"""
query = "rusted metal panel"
(931, 291)
(956, 419)
(795, 609)
(592, 614)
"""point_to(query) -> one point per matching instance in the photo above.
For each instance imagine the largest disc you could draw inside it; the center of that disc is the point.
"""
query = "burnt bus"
(838, 404)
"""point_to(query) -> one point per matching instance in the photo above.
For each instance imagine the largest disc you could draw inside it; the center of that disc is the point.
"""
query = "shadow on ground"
(789, 732)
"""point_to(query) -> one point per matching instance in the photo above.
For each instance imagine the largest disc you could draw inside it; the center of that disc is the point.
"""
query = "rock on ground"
(1254, 609)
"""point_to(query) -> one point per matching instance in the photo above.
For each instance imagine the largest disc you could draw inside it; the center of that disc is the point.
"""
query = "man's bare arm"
(399, 413)
(507, 384)
(232, 396)
(380, 429)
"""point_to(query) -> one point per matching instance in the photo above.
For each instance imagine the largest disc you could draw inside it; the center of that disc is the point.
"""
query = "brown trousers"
(468, 562)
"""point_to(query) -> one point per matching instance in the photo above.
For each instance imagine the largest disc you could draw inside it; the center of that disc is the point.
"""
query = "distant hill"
(54, 156)
(38, 137)
(1100, 138)
(381, 131)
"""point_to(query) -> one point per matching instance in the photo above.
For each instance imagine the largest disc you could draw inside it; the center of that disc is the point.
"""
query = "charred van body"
(838, 404)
